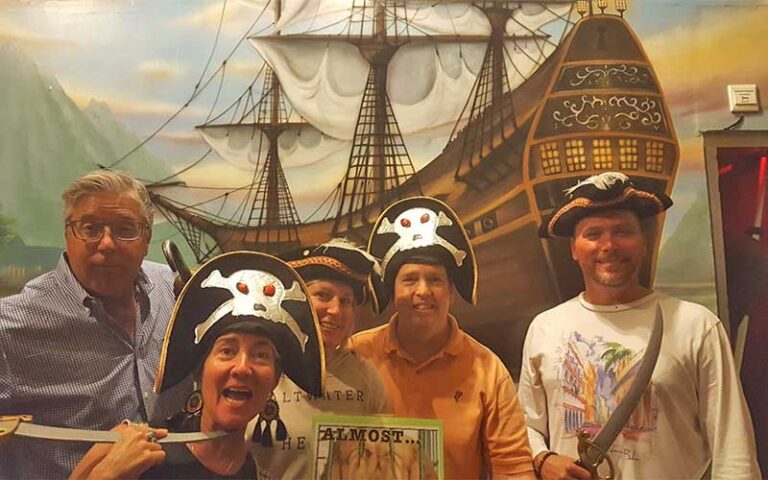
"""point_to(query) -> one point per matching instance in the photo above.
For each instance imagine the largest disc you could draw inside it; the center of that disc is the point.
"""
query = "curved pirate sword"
(592, 452)
(22, 426)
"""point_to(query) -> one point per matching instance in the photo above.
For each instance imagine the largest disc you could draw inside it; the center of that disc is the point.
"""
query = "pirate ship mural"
(564, 91)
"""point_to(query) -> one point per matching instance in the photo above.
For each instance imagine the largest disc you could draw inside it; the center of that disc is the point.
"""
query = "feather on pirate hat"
(244, 291)
(417, 226)
(337, 259)
(606, 191)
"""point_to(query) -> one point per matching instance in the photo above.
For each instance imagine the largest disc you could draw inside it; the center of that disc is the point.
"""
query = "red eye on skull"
(405, 222)
(242, 288)
(425, 218)
(269, 290)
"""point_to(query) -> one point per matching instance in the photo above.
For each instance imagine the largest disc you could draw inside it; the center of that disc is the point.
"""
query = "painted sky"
(145, 57)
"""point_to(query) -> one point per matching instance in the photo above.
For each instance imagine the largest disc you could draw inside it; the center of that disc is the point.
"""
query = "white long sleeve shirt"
(579, 359)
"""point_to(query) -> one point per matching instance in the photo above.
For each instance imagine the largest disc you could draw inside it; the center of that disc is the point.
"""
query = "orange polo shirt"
(467, 387)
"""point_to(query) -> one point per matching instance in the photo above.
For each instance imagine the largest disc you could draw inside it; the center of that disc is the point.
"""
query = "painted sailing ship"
(578, 104)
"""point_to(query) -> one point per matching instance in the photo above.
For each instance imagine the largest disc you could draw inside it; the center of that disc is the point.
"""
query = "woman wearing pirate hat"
(241, 320)
(337, 275)
(430, 367)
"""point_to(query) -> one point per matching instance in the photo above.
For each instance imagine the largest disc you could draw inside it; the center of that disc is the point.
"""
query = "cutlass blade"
(31, 430)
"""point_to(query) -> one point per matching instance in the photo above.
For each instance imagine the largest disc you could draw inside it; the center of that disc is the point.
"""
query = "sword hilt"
(9, 423)
(176, 261)
(590, 462)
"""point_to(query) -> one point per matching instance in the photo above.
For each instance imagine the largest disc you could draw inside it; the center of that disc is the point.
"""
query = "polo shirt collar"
(453, 347)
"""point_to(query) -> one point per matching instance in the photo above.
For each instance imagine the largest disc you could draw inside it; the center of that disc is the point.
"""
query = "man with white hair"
(582, 357)
(79, 346)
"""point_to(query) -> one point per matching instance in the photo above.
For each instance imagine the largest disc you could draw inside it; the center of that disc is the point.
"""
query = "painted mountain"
(46, 141)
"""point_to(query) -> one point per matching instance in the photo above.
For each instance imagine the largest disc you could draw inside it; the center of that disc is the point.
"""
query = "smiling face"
(107, 267)
(238, 377)
(334, 302)
(610, 248)
(422, 295)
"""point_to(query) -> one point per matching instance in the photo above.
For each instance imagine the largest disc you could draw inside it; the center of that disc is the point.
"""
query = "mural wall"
(124, 84)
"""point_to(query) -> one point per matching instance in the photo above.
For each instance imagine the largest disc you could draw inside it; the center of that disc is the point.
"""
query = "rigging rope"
(193, 164)
(215, 44)
(331, 196)
(196, 92)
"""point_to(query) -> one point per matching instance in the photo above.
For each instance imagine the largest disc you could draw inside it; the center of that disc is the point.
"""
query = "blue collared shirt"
(63, 361)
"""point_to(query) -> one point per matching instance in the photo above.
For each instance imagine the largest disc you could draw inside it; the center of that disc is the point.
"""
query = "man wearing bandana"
(430, 367)
(580, 357)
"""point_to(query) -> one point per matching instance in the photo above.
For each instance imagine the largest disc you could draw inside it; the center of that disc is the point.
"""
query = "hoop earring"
(188, 419)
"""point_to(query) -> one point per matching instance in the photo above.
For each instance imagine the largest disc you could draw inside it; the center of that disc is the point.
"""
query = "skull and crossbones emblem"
(254, 293)
(417, 227)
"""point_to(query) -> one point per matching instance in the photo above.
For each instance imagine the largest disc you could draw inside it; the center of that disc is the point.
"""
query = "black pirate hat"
(244, 291)
(419, 226)
(337, 259)
(606, 191)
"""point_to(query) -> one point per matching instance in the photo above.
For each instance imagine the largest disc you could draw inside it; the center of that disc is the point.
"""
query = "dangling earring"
(188, 420)
(271, 412)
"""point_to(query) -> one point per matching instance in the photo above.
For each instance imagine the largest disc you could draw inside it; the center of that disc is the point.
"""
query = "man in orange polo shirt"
(430, 367)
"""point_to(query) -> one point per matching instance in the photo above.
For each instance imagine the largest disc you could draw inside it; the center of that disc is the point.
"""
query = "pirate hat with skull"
(250, 292)
(418, 227)
(605, 191)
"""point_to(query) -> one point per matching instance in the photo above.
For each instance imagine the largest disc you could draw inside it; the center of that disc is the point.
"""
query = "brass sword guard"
(584, 445)
(12, 423)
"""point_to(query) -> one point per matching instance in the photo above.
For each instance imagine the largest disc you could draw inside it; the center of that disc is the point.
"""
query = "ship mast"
(379, 163)
(492, 118)
(273, 213)
(270, 221)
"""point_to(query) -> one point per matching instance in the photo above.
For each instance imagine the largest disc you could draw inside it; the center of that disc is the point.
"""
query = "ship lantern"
(621, 6)
(602, 5)
(582, 6)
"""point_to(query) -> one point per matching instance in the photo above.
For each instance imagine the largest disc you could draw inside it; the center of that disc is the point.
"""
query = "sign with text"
(385, 448)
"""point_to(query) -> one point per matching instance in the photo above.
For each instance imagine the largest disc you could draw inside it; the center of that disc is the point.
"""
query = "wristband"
(537, 469)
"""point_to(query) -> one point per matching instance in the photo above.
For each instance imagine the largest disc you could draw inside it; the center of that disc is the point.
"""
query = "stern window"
(575, 157)
(628, 154)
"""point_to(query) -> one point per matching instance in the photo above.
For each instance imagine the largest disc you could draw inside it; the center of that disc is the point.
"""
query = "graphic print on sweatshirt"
(596, 375)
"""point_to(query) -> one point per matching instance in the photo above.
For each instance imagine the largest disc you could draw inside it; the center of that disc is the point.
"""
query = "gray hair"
(111, 181)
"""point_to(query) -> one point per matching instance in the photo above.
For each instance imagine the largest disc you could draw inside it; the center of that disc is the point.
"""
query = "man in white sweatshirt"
(581, 356)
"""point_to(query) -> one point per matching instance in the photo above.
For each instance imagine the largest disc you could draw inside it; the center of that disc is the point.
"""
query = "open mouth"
(237, 394)
(329, 326)
(417, 236)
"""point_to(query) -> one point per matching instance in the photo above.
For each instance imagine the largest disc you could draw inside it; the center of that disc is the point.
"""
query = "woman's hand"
(134, 453)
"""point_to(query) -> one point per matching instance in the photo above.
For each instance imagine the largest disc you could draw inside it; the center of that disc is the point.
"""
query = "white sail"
(445, 19)
(530, 17)
(244, 146)
(324, 79)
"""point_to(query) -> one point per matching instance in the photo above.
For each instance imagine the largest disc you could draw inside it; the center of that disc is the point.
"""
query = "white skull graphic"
(417, 227)
(253, 293)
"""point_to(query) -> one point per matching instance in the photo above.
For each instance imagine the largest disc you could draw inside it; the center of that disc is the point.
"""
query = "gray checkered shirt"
(63, 362)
